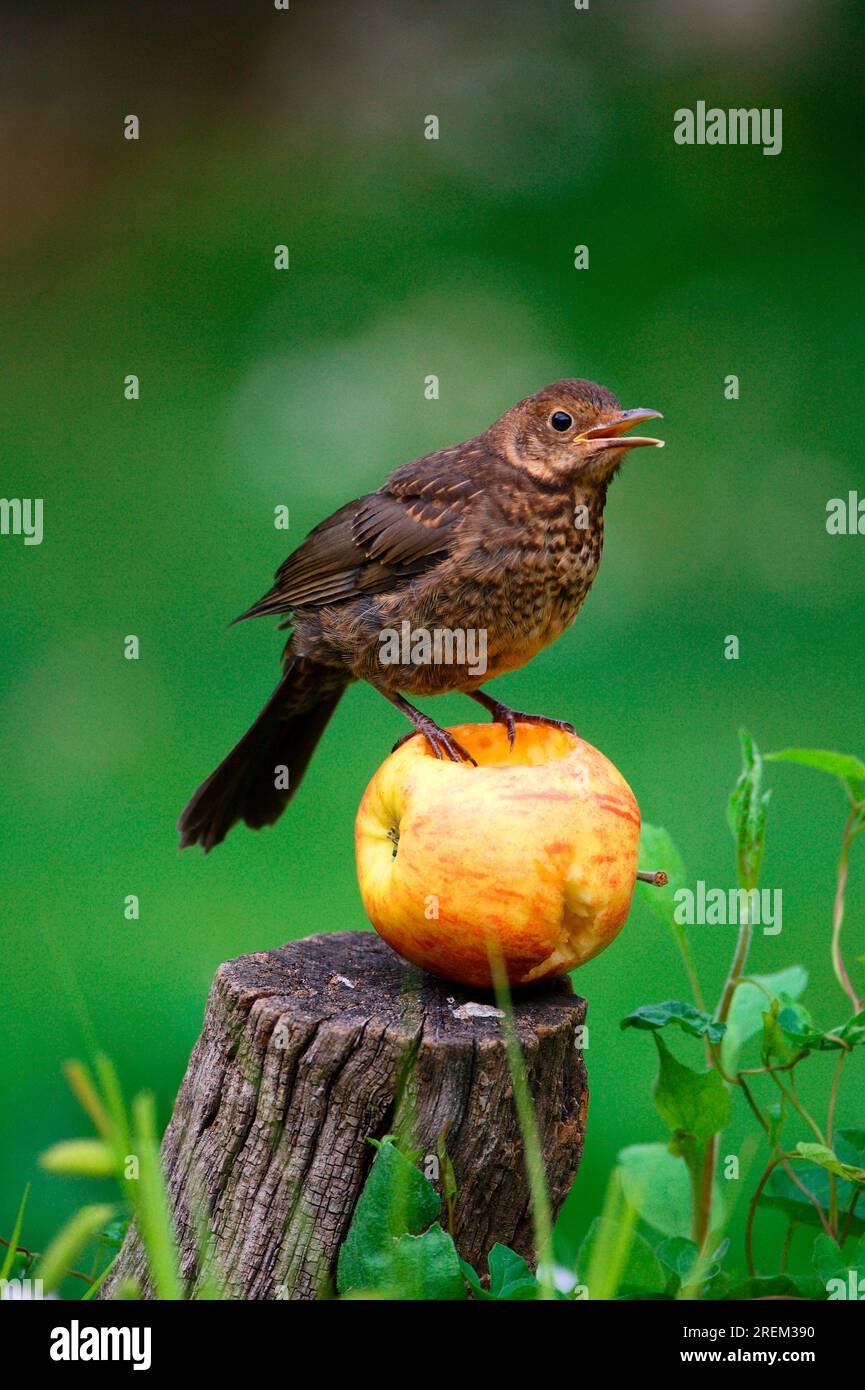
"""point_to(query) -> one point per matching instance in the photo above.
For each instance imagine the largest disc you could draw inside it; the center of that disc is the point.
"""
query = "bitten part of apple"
(531, 855)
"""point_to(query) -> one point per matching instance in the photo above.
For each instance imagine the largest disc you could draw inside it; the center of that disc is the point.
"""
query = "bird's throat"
(588, 502)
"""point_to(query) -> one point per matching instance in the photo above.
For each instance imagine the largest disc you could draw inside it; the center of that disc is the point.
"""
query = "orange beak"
(610, 434)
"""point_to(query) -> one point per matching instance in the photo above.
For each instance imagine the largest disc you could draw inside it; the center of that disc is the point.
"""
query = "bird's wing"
(373, 544)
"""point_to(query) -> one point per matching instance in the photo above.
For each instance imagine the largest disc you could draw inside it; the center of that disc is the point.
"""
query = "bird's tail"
(263, 771)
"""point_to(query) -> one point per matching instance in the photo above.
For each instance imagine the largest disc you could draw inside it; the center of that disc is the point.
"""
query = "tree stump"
(307, 1051)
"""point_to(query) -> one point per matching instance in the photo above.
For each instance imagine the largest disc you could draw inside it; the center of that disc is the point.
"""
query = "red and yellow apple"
(530, 857)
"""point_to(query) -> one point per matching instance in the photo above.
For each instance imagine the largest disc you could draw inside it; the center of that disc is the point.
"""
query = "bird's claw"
(454, 750)
(439, 741)
(511, 717)
(405, 738)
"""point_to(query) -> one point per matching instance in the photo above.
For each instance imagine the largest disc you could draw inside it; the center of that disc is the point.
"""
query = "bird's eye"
(561, 420)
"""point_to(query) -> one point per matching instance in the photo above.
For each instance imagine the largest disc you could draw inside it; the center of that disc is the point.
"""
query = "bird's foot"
(503, 714)
(440, 741)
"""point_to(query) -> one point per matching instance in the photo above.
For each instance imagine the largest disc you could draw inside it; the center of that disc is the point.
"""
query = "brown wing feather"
(373, 544)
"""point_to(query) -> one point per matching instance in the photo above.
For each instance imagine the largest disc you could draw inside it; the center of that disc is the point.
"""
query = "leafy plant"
(816, 1181)
(397, 1249)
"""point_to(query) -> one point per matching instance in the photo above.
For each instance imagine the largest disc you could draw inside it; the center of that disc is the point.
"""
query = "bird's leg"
(439, 740)
(503, 714)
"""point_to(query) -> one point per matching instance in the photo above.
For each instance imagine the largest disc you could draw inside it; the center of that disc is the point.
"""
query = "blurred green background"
(305, 388)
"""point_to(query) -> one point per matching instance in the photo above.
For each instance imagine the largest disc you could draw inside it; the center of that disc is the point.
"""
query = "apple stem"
(658, 878)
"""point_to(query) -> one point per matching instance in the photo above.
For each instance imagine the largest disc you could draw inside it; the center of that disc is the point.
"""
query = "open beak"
(610, 434)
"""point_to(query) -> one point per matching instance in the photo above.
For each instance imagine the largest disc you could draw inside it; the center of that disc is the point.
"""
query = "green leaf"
(673, 1011)
(843, 765)
(799, 1028)
(679, 1255)
(825, 1157)
(746, 813)
(115, 1232)
(775, 1114)
(509, 1272)
(750, 1001)
(852, 1032)
(387, 1249)
(68, 1244)
(80, 1158)
(641, 1270)
(777, 1286)
(775, 1046)
(11, 1251)
(422, 1267)
(781, 1194)
(693, 1104)
(850, 1146)
(656, 1183)
(717, 1289)
(396, 1199)
(472, 1279)
(511, 1278)
(657, 851)
(796, 1024)
(827, 1259)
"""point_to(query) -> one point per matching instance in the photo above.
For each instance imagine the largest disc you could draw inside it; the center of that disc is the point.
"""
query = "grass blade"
(152, 1209)
(9, 1259)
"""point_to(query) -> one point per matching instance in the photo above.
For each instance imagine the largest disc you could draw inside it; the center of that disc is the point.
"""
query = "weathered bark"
(309, 1049)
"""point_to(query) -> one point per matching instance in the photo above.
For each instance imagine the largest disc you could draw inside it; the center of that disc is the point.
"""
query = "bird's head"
(568, 432)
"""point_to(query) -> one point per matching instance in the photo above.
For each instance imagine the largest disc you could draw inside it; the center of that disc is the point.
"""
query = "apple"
(531, 855)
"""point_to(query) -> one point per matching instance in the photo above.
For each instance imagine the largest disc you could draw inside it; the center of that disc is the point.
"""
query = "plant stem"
(703, 1195)
(833, 1096)
(851, 1212)
(785, 1249)
(764, 1125)
(35, 1255)
(799, 1108)
(656, 877)
(779, 1066)
(738, 967)
(706, 1180)
(838, 912)
(752, 1211)
(830, 1122)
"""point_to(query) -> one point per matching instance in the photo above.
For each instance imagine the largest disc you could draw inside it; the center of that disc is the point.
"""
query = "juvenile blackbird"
(498, 539)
